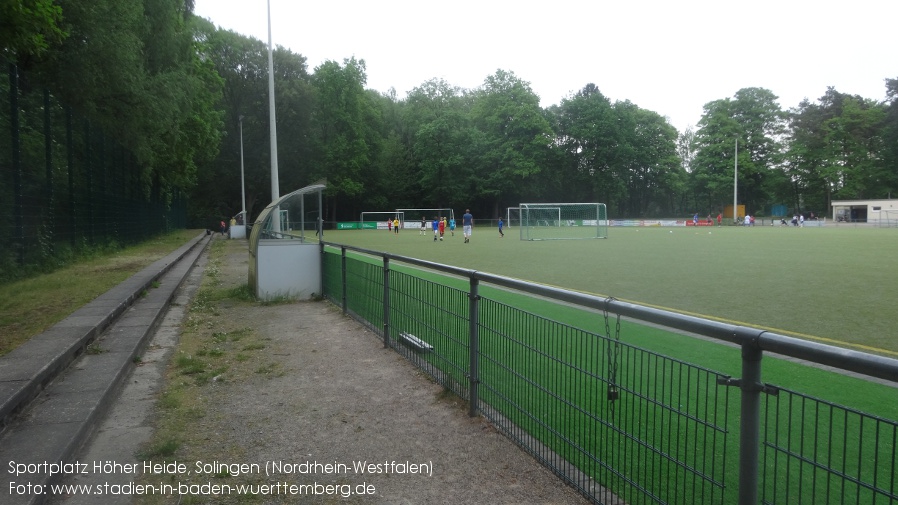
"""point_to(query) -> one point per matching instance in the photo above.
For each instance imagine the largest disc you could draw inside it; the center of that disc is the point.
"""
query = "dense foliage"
(180, 91)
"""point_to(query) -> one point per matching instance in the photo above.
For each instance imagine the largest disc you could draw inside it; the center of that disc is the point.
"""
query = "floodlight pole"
(735, 179)
(275, 186)
(242, 184)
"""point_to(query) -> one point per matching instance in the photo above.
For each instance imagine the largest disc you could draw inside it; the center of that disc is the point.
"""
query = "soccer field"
(834, 285)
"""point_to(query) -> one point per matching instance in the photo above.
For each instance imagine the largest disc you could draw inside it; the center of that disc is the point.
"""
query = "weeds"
(278, 300)
(162, 449)
(243, 293)
(213, 353)
(95, 349)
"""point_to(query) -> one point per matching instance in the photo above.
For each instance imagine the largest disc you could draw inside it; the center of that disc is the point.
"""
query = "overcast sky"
(666, 56)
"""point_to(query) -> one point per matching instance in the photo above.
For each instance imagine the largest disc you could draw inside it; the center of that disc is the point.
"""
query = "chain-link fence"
(66, 185)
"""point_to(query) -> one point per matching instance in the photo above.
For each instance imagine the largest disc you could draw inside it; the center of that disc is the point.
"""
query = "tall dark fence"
(67, 185)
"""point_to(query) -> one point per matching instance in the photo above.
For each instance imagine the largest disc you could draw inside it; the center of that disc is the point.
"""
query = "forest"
(181, 94)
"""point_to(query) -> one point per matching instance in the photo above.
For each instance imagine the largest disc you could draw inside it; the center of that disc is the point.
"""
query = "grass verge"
(30, 306)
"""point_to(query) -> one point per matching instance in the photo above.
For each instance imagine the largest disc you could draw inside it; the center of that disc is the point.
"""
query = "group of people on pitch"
(440, 224)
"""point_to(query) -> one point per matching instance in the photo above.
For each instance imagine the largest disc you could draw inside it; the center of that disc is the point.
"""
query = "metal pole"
(735, 179)
(473, 365)
(275, 185)
(320, 222)
(386, 302)
(343, 276)
(18, 200)
(321, 270)
(749, 435)
(48, 166)
(242, 186)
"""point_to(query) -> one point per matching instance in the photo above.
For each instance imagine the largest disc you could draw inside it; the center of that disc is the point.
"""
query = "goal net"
(377, 220)
(415, 215)
(513, 217)
(560, 221)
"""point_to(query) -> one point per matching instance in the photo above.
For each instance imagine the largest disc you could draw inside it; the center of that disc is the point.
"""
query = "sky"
(665, 56)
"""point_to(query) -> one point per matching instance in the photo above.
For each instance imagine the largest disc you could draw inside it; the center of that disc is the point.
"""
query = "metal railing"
(621, 423)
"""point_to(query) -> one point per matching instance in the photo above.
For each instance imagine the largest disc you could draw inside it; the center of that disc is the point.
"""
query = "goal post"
(415, 215)
(562, 221)
(513, 217)
(378, 219)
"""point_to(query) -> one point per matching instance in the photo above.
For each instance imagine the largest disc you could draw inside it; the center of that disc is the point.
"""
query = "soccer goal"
(562, 221)
(513, 217)
(376, 220)
(888, 219)
(415, 215)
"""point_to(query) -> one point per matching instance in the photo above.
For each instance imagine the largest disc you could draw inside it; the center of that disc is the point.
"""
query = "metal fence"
(65, 184)
(620, 423)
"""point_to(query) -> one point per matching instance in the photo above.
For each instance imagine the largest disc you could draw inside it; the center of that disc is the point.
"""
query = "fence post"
(343, 277)
(320, 267)
(18, 203)
(749, 431)
(70, 167)
(474, 347)
(49, 222)
(386, 301)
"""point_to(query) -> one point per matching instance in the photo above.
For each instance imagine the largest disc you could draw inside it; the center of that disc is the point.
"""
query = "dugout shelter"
(284, 246)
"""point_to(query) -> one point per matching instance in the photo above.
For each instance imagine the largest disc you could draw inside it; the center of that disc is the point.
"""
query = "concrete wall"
(288, 268)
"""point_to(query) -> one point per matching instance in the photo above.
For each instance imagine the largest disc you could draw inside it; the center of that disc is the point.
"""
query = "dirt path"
(340, 397)
(315, 393)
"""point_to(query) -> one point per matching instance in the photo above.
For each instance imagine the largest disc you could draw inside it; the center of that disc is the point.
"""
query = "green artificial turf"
(834, 285)
(530, 369)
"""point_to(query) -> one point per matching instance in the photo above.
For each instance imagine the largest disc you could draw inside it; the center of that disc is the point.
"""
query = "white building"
(881, 212)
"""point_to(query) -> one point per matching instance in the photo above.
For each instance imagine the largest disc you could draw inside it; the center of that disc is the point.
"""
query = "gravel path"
(342, 398)
(306, 386)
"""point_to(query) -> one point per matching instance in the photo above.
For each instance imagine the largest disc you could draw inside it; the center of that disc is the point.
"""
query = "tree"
(345, 131)
(890, 139)
(441, 143)
(645, 159)
(133, 69)
(585, 134)
(755, 120)
(28, 28)
(838, 150)
(512, 135)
